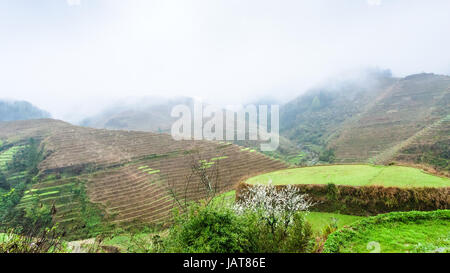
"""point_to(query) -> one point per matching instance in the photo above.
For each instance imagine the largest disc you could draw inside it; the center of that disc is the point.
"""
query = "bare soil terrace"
(126, 173)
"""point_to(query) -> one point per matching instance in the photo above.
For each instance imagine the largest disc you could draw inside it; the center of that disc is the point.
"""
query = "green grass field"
(354, 175)
(396, 232)
(319, 220)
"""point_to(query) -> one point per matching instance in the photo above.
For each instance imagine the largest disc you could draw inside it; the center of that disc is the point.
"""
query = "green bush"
(327, 156)
(214, 229)
(296, 237)
(208, 230)
(299, 237)
(47, 240)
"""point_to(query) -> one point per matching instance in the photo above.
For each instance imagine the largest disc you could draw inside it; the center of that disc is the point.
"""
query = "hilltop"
(145, 114)
(20, 110)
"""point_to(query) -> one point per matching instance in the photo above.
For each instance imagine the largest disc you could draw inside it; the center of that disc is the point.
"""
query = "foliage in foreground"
(208, 230)
(270, 221)
(46, 240)
(221, 230)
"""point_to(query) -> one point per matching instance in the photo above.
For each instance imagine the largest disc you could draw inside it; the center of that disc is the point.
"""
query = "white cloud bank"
(374, 2)
(70, 61)
(73, 2)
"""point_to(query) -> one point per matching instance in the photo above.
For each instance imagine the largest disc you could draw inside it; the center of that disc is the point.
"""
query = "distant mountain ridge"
(147, 114)
(20, 110)
(371, 118)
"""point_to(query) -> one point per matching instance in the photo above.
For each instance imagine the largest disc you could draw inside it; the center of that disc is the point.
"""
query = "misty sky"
(72, 57)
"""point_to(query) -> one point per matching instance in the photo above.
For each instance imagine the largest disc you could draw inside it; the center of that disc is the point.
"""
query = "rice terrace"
(227, 129)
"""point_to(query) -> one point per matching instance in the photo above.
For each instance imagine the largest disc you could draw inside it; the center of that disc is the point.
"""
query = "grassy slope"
(396, 232)
(354, 175)
(319, 220)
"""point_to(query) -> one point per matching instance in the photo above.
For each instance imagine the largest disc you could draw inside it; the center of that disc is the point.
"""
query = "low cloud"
(73, 2)
(374, 2)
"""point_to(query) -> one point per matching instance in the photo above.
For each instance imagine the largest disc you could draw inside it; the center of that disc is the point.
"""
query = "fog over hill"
(97, 51)
(20, 110)
(372, 120)
(151, 114)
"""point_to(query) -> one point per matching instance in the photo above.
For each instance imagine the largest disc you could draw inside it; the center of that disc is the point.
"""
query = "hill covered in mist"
(144, 114)
(377, 120)
(20, 110)
(370, 117)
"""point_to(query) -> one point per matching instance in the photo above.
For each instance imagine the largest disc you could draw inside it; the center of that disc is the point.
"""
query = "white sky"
(72, 57)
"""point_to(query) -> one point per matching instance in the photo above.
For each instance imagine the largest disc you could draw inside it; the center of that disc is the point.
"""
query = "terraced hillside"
(430, 146)
(123, 176)
(410, 106)
(18, 131)
(374, 120)
(5, 158)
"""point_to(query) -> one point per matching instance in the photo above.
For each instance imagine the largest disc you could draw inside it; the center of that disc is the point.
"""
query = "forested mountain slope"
(20, 110)
(369, 122)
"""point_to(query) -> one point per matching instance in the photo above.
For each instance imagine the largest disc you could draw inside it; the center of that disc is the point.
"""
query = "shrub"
(46, 240)
(208, 230)
(276, 219)
(327, 156)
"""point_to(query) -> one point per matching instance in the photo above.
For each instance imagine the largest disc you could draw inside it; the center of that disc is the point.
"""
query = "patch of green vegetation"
(154, 171)
(156, 156)
(135, 242)
(204, 164)
(327, 155)
(7, 156)
(46, 189)
(319, 220)
(395, 233)
(48, 193)
(296, 159)
(222, 146)
(225, 199)
(142, 167)
(17, 175)
(218, 158)
(354, 175)
(68, 205)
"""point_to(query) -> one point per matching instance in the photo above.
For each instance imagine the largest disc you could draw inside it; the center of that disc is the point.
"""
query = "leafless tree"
(203, 175)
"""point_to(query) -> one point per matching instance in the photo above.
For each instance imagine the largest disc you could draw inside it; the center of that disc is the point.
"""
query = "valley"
(358, 152)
